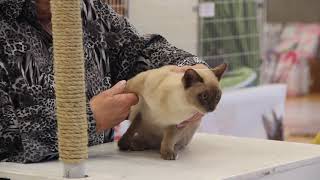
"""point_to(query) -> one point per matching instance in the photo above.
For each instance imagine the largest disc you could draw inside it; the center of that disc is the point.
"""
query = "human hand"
(112, 106)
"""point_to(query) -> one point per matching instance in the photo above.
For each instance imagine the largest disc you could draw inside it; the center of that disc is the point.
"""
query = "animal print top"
(113, 51)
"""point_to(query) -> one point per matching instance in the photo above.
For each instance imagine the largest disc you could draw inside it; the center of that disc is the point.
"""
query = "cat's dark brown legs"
(124, 142)
(175, 139)
(129, 140)
(137, 142)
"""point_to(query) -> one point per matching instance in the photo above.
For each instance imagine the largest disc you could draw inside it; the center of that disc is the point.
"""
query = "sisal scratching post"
(70, 85)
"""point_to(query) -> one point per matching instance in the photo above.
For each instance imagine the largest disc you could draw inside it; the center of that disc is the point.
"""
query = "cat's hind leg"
(124, 143)
(134, 138)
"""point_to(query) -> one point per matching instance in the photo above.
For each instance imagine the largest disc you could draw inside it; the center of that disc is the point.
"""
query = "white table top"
(207, 157)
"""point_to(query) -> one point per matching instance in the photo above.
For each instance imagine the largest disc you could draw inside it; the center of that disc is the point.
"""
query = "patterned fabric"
(113, 51)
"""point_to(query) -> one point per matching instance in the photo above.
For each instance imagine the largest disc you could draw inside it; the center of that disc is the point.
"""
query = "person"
(113, 51)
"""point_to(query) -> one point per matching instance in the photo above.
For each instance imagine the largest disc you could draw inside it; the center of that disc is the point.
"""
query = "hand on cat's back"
(112, 106)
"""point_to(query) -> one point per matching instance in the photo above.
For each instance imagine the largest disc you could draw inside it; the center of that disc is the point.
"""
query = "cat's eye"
(204, 96)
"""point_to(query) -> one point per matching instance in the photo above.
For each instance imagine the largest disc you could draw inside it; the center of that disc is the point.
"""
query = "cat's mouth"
(207, 105)
(207, 109)
(211, 109)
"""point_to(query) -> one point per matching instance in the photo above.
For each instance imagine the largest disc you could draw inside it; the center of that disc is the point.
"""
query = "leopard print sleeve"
(21, 122)
(130, 52)
(9, 132)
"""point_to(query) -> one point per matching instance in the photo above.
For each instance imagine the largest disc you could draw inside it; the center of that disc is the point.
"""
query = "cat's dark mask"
(202, 88)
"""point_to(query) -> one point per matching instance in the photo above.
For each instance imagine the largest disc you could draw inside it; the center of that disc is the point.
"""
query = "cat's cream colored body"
(166, 99)
(162, 96)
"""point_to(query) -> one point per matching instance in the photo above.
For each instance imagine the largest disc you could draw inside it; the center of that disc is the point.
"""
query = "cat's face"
(202, 88)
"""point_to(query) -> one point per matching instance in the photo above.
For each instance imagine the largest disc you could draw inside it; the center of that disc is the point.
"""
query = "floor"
(302, 119)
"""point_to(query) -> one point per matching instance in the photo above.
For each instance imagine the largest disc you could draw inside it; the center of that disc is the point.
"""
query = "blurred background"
(272, 87)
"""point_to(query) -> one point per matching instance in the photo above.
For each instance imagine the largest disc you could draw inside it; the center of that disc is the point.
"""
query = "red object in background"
(285, 64)
(288, 60)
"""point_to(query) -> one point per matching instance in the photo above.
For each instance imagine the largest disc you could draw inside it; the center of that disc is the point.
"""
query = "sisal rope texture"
(69, 80)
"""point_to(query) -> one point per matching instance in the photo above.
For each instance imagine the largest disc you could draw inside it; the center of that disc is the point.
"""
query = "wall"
(293, 10)
(174, 19)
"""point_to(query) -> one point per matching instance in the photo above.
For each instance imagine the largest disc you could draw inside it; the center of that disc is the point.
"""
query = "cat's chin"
(202, 111)
(210, 110)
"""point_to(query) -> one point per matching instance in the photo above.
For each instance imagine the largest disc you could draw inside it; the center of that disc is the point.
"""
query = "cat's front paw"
(168, 154)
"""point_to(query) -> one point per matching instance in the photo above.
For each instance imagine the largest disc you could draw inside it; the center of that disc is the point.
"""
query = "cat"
(166, 100)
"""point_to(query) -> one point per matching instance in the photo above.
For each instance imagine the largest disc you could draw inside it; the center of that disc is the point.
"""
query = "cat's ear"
(191, 77)
(219, 70)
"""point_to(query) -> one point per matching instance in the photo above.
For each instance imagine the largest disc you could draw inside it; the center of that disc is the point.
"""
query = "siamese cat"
(167, 100)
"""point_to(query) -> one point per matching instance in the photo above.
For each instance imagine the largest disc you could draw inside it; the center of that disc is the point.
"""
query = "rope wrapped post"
(70, 86)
